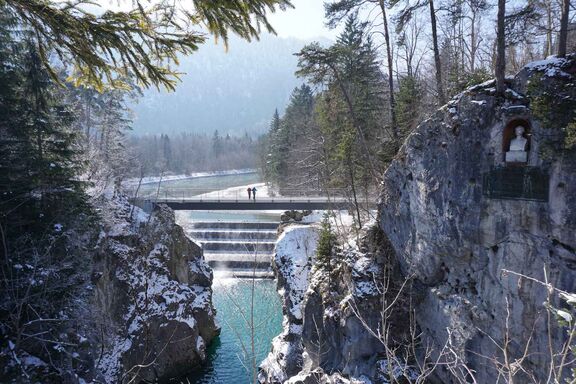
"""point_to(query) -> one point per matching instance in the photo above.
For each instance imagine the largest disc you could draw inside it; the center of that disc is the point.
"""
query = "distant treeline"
(185, 153)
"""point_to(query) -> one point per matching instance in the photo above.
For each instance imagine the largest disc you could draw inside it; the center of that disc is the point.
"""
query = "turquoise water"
(200, 185)
(231, 353)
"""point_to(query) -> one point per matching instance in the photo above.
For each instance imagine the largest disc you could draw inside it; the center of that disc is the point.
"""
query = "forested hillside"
(184, 153)
(230, 90)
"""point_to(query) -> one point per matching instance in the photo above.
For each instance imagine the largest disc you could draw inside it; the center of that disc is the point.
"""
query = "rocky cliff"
(459, 218)
(452, 271)
(122, 297)
(293, 259)
(152, 297)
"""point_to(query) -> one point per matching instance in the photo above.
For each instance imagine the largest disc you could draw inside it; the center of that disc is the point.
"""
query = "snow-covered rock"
(294, 257)
(321, 332)
(153, 293)
(441, 249)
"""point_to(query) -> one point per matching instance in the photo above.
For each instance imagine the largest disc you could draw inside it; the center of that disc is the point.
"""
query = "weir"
(244, 249)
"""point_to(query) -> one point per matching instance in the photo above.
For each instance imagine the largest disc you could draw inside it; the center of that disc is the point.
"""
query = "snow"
(478, 102)
(551, 66)
(58, 227)
(110, 363)
(275, 361)
(397, 369)
(365, 289)
(512, 93)
(295, 250)
(314, 217)
(32, 361)
(156, 179)
(485, 84)
(121, 223)
(200, 344)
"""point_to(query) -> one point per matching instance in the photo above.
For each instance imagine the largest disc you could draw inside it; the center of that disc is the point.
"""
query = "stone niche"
(516, 140)
(516, 175)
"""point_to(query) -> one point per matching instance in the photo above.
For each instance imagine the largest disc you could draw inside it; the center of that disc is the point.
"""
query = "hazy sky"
(305, 21)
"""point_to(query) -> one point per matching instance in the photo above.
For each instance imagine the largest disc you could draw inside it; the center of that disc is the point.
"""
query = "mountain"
(234, 91)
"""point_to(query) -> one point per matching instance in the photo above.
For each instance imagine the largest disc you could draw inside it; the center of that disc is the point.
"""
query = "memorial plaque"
(517, 183)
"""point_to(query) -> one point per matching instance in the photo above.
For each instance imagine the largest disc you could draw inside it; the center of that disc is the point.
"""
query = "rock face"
(331, 307)
(152, 297)
(293, 259)
(342, 309)
(459, 239)
(457, 228)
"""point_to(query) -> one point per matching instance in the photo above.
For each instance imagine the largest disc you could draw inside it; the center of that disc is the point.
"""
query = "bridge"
(235, 200)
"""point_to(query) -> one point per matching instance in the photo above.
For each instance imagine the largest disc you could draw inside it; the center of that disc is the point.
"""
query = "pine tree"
(39, 157)
(336, 11)
(13, 184)
(141, 42)
(217, 144)
(326, 243)
(271, 150)
(350, 111)
(409, 104)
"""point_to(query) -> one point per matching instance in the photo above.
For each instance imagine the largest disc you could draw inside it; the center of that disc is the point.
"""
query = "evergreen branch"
(142, 42)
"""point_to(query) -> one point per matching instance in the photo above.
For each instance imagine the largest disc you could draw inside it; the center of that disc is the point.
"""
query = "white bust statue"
(517, 152)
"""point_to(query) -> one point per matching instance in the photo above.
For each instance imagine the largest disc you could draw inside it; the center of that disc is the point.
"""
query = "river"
(229, 356)
(239, 303)
(202, 185)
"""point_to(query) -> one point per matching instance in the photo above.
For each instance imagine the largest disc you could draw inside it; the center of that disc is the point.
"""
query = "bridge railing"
(202, 194)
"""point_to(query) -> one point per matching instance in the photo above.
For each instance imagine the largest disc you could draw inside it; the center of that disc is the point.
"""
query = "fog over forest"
(234, 91)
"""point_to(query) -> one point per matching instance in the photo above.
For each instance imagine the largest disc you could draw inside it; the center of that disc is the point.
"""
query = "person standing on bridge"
(249, 193)
(254, 193)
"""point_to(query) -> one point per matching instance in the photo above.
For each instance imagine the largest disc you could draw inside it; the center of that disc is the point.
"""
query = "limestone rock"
(290, 216)
(459, 245)
(154, 296)
(459, 242)
(294, 255)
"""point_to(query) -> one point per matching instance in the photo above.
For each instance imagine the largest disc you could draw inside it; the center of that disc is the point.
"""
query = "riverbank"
(196, 175)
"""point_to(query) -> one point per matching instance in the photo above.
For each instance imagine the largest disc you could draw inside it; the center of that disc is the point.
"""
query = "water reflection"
(246, 310)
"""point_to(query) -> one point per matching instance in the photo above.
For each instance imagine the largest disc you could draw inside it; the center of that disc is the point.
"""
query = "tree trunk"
(501, 49)
(392, 99)
(354, 196)
(548, 48)
(473, 44)
(563, 38)
(437, 61)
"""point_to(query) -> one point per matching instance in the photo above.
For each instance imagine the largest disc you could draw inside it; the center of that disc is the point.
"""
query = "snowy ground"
(239, 193)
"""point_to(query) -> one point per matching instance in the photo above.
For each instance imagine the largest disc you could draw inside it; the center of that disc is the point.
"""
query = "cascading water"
(238, 246)
(241, 248)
